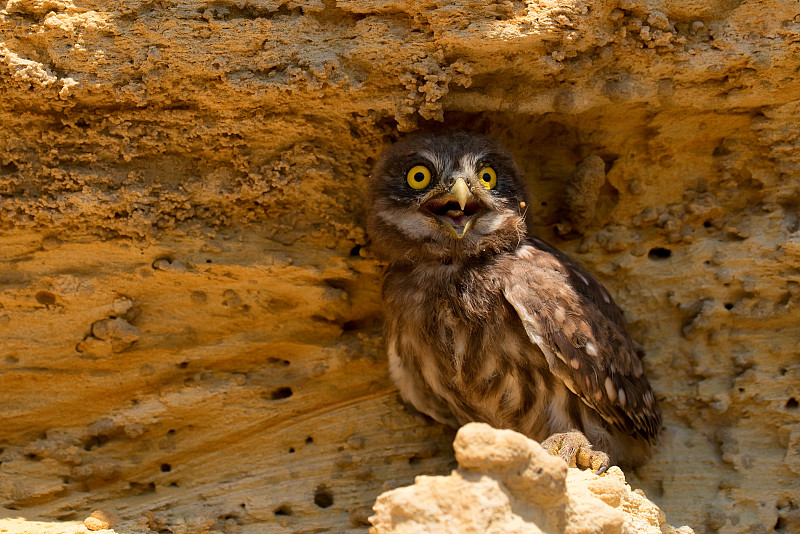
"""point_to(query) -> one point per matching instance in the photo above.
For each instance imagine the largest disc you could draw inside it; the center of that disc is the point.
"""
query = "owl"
(486, 323)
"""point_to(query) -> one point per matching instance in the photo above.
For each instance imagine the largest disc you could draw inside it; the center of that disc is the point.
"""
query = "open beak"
(456, 209)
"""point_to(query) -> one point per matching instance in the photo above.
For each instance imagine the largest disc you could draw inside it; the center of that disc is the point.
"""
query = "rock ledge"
(507, 483)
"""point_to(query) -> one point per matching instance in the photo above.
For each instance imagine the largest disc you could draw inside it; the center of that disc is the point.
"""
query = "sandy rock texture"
(190, 329)
(508, 484)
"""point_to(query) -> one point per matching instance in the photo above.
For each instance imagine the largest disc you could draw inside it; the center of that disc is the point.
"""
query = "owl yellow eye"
(488, 177)
(418, 177)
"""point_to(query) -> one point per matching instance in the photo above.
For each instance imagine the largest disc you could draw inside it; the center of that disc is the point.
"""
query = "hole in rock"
(166, 468)
(355, 250)
(9, 167)
(139, 488)
(337, 283)
(291, 450)
(323, 496)
(283, 509)
(183, 365)
(281, 393)
(791, 404)
(707, 224)
(95, 442)
(46, 298)
(659, 253)
(309, 440)
(728, 305)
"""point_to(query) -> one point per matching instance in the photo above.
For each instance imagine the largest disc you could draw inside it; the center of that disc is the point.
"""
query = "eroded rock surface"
(189, 311)
(508, 484)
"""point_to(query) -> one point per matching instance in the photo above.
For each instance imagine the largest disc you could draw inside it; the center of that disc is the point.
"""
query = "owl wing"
(571, 317)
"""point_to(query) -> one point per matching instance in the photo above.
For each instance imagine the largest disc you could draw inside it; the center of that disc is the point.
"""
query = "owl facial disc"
(455, 210)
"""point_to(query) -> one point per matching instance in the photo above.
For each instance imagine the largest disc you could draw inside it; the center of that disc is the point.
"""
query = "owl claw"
(576, 450)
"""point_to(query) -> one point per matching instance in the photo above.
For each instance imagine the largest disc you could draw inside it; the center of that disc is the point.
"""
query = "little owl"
(485, 323)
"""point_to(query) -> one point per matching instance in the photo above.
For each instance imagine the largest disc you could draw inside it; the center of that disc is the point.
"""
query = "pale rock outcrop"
(508, 484)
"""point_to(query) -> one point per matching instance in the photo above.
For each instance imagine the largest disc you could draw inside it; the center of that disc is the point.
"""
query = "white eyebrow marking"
(469, 162)
(438, 163)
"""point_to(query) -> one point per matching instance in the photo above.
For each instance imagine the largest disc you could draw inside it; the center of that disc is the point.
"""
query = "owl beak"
(461, 192)
(456, 209)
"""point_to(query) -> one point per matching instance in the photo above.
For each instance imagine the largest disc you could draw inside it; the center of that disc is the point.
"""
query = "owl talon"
(576, 450)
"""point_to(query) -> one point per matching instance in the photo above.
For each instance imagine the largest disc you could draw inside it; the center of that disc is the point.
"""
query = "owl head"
(445, 197)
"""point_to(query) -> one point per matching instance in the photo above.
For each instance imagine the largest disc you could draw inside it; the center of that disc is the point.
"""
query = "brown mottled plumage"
(484, 323)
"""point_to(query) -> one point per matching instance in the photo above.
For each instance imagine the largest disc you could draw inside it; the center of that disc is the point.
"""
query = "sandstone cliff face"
(189, 308)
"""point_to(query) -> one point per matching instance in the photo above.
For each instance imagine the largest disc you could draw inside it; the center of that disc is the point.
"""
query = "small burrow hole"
(728, 305)
(183, 365)
(350, 326)
(166, 468)
(707, 224)
(281, 393)
(791, 404)
(323, 496)
(309, 440)
(291, 450)
(659, 253)
(141, 488)
(9, 167)
(283, 509)
(355, 250)
(46, 298)
(95, 441)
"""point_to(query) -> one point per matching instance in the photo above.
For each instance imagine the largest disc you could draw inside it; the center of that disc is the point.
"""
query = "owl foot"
(575, 449)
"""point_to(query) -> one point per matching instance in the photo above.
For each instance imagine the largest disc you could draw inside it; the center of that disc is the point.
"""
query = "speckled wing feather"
(570, 316)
